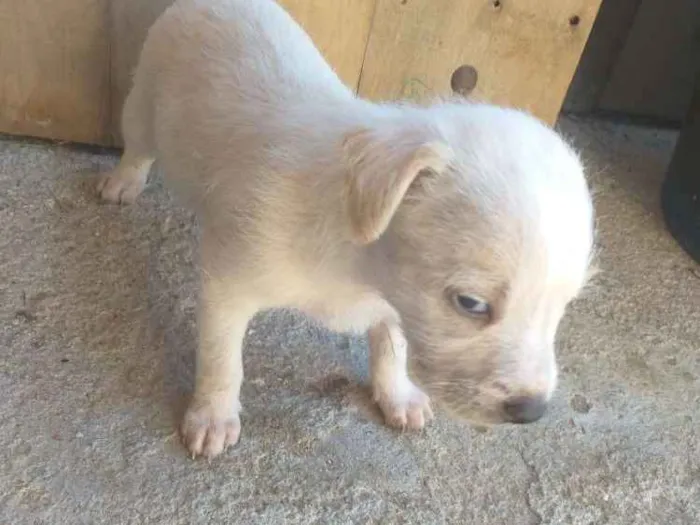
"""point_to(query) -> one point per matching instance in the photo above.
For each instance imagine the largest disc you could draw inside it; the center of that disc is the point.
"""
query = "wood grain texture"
(66, 66)
(525, 51)
(54, 69)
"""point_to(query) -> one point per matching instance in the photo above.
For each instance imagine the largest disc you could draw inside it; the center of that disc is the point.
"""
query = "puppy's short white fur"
(455, 234)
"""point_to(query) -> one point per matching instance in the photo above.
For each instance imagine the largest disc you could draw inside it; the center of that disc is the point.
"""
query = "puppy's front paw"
(207, 432)
(120, 186)
(404, 406)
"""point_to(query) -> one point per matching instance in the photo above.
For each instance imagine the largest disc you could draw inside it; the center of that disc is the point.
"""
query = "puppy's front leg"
(402, 403)
(212, 423)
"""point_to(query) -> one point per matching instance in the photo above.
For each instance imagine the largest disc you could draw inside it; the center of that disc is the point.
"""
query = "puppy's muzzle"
(524, 409)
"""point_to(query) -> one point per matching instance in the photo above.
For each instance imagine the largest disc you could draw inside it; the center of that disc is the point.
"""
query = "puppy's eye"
(472, 306)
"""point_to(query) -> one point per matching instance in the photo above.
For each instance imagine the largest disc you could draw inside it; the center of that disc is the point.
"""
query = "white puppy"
(455, 234)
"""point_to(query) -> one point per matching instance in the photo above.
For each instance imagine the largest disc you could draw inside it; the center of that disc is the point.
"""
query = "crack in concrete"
(533, 479)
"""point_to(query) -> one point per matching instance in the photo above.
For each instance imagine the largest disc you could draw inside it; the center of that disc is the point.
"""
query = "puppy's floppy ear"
(381, 170)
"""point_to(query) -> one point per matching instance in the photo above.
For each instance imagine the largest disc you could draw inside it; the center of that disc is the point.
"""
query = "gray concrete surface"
(97, 339)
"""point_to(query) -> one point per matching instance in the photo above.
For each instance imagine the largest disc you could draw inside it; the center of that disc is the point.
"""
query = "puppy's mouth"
(464, 406)
(489, 412)
(460, 400)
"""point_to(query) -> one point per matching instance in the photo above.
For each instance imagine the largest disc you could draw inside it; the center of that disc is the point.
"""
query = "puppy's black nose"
(524, 409)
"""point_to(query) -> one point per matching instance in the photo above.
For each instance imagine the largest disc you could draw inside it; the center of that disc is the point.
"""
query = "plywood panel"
(54, 69)
(525, 51)
(340, 28)
(65, 66)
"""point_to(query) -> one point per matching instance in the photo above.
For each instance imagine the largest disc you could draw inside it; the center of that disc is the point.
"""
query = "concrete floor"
(97, 339)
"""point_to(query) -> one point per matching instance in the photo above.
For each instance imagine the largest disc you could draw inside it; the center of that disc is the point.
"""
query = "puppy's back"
(247, 49)
(219, 81)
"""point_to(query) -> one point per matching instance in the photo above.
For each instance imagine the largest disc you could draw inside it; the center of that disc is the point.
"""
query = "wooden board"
(525, 51)
(54, 69)
(65, 66)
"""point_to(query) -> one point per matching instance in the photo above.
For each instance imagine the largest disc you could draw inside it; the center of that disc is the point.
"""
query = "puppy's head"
(484, 221)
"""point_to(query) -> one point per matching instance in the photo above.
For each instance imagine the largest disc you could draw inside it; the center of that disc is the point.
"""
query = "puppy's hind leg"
(126, 182)
(403, 404)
